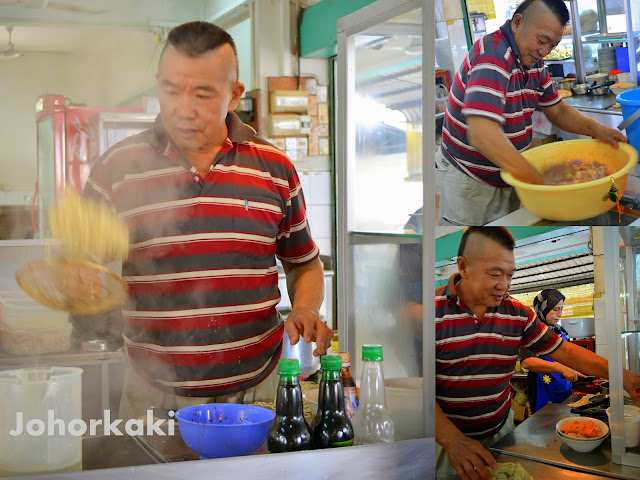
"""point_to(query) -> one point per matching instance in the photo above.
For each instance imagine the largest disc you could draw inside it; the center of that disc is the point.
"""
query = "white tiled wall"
(317, 193)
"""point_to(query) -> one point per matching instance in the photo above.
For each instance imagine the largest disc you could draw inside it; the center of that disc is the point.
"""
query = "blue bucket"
(630, 102)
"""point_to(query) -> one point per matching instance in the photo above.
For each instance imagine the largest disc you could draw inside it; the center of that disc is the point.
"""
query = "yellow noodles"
(89, 229)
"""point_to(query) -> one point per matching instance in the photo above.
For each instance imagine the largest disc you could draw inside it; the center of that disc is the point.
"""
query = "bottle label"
(350, 401)
(348, 443)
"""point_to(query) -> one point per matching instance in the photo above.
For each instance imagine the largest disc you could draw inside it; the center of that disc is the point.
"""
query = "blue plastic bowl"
(216, 430)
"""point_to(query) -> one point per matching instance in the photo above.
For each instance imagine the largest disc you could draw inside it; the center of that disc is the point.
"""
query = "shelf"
(564, 60)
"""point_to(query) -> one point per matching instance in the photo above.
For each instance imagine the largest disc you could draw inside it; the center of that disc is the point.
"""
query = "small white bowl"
(311, 397)
(583, 444)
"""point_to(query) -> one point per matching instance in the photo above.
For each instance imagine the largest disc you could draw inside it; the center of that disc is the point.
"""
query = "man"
(209, 206)
(479, 330)
(488, 119)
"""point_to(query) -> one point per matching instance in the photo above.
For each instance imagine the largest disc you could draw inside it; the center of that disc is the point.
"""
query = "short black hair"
(500, 235)
(557, 7)
(196, 38)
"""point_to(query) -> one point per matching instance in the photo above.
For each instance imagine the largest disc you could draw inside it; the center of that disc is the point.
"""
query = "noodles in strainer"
(89, 229)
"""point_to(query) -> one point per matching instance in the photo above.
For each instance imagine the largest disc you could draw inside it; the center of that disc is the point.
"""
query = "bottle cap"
(288, 366)
(372, 353)
(346, 359)
(330, 362)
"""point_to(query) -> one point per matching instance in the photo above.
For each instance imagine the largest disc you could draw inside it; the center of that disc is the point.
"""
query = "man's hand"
(469, 458)
(631, 382)
(308, 324)
(610, 135)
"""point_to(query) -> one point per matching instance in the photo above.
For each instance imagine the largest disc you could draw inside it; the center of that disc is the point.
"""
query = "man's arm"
(305, 284)
(592, 364)
(539, 365)
(570, 120)
(469, 458)
(489, 139)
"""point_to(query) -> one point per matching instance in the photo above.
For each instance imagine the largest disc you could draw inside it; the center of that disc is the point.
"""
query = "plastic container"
(218, 430)
(404, 397)
(630, 102)
(33, 392)
(579, 201)
(631, 425)
(622, 62)
(28, 329)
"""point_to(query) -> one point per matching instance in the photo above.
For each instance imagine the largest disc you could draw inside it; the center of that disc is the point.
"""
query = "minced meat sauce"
(575, 171)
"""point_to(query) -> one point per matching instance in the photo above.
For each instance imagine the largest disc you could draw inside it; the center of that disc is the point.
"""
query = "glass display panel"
(388, 305)
(388, 113)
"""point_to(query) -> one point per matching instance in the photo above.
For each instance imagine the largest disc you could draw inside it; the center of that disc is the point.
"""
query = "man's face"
(195, 96)
(536, 35)
(486, 270)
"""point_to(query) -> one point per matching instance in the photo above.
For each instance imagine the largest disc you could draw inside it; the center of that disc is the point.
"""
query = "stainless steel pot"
(303, 352)
(580, 89)
(583, 327)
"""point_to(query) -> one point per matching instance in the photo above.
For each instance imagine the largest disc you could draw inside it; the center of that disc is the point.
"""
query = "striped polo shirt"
(201, 319)
(492, 83)
(476, 359)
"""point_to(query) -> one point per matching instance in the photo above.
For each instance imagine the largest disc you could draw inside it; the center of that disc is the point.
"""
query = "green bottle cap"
(330, 362)
(372, 353)
(288, 366)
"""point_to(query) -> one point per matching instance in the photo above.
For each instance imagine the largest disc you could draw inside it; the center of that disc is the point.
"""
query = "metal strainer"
(73, 285)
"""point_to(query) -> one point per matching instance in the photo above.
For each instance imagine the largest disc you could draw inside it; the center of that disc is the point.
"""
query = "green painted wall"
(318, 30)
(447, 246)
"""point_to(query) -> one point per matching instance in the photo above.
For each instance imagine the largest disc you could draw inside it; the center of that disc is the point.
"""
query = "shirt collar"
(450, 292)
(238, 132)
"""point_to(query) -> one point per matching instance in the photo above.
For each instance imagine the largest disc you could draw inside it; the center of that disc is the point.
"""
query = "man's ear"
(517, 21)
(463, 265)
(236, 93)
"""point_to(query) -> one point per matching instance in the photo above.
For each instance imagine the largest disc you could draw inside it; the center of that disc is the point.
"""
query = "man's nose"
(503, 283)
(186, 106)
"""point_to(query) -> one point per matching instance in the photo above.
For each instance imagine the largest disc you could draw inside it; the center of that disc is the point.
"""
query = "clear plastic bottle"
(372, 422)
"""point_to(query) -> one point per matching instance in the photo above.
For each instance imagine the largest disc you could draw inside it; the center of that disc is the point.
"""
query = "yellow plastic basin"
(578, 201)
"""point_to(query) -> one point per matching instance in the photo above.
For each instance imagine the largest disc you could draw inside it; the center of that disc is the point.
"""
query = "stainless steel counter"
(536, 439)
(593, 102)
(539, 470)
(407, 460)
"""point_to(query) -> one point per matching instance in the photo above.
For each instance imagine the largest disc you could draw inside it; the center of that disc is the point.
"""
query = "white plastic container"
(631, 425)
(30, 329)
(405, 402)
(33, 393)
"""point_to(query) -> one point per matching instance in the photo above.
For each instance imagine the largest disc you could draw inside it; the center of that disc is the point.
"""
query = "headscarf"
(546, 301)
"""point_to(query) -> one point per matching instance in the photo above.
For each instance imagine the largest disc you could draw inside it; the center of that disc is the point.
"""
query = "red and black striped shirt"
(201, 318)
(493, 84)
(476, 359)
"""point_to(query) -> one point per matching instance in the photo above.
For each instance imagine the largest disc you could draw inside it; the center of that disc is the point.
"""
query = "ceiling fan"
(46, 4)
(10, 52)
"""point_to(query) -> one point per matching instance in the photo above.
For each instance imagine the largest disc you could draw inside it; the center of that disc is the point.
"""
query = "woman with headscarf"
(548, 381)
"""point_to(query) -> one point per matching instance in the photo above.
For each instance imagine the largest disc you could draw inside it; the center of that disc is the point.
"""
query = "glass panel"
(388, 114)
(46, 180)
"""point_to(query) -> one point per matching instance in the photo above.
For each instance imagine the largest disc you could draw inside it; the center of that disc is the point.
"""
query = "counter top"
(536, 439)
(406, 460)
(593, 102)
(544, 470)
